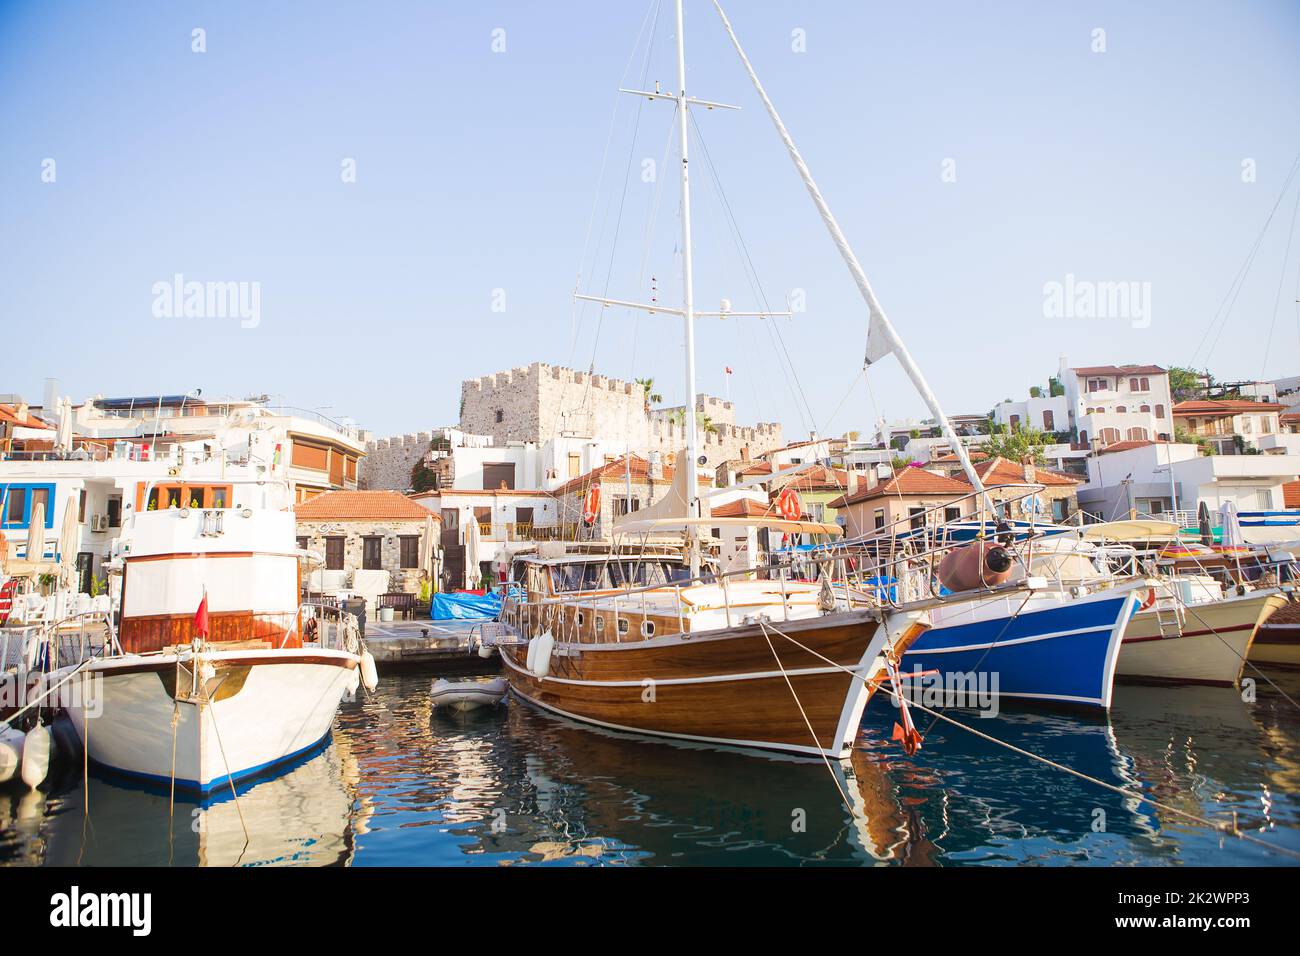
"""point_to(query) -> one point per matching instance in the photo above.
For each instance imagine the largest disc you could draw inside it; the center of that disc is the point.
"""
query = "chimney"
(744, 453)
(1031, 472)
(21, 411)
(656, 468)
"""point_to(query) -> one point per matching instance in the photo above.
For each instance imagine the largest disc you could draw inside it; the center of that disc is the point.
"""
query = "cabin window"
(334, 553)
(580, 618)
(600, 623)
(372, 553)
(409, 546)
(623, 626)
(647, 628)
(218, 498)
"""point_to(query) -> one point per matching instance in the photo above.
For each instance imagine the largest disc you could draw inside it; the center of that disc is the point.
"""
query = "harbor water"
(400, 784)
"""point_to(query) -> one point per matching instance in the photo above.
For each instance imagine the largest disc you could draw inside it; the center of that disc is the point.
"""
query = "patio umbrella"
(36, 534)
(1203, 523)
(1230, 535)
(64, 433)
(68, 540)
(471, 551)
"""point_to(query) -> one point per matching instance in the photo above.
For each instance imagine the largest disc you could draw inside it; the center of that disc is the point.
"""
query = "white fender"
(532, 653)
(484, 650)
(36, 756)
(541, 654)
(11, 752)
(369, 673)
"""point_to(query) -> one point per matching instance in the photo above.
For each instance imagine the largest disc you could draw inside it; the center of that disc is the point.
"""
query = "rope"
(808, 723)
(229, 777)
(1141, 797)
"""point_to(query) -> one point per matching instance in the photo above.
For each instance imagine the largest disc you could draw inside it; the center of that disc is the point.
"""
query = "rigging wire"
(1277, 299)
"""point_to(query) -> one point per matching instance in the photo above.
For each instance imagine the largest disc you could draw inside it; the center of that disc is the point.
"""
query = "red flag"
(201, 617)
(728, 369)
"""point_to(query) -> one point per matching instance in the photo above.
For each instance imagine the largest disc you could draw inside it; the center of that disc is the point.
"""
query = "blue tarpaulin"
(458, 606)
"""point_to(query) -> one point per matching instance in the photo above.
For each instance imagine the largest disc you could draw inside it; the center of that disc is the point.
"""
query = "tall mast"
(882, 338)
(688, 306)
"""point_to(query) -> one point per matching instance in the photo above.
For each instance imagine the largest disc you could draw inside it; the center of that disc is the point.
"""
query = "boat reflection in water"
(303, 817)
(403, 784)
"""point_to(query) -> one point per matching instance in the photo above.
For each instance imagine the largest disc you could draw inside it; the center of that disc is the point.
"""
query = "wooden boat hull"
(723, 687)
(1278, 642)
(1215, 643)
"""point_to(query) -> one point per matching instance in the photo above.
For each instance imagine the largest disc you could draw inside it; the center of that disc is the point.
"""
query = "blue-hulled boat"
(1047, 646)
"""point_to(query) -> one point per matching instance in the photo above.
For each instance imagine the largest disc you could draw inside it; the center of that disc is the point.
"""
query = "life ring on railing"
(1149, 600)
(591, 506)
(789, 505)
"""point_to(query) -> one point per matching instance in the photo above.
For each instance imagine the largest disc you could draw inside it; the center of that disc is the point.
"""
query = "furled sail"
(675, 505)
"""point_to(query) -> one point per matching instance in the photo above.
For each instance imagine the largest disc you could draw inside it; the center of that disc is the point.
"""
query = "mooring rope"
(1141, 797)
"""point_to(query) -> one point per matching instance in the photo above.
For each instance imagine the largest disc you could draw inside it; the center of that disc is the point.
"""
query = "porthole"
(580, 619)
(600, 623)
(623, 626)
(647, 628)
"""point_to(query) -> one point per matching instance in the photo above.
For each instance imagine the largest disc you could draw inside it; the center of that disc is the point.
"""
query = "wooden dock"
(441, 644)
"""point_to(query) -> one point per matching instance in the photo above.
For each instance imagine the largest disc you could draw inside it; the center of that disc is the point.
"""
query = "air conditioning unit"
(99, 522)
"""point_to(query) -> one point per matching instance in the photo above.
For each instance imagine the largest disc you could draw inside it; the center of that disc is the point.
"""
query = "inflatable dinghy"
(461, 696)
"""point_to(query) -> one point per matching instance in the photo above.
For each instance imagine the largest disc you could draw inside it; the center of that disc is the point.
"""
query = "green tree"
(1185, 383)
(1015, 445)
(423, 478)
(1035, 391)
(1054, 386)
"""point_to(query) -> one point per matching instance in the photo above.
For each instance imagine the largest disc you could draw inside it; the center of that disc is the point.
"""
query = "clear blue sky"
(478, 171)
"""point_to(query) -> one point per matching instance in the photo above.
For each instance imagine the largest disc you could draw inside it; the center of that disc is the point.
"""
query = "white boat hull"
(1212, 649)
(256, 709)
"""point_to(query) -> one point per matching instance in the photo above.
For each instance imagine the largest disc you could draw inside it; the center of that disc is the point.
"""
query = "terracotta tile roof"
(501, 492)
(910, 481)
(950, 457)
(1126, 445)
(1291, 494)
(758, 468)
(9, 415)
(1290, 417)
(362, 506)
(743, 508)
(1206, 406)
(615, 471)
(999, 471)
(1120, 370)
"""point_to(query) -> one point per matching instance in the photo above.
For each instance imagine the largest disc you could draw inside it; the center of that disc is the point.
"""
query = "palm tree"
(651, 396)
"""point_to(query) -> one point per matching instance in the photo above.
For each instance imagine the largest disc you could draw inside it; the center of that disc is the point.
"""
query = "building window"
(1144, 408)
(880, 518)
(334, 553)
(1160, 411)
(575, 465)
(115, 511)
(1049, 420)
(81, 507)
(1108, 436)
(1137, 434)
(498, 475)
(1121, 409)
(1096, 384)
(372, 553)
(916, 517)
(1059, 508)
(1083, 439)
(951, 514)
(501, 415)
(1015, 422)
(409, 546)
(16, 509)
(303, 542)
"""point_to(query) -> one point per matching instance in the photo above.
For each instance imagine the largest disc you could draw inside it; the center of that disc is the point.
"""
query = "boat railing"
(331, 626)
(58, 642)
(896, 568)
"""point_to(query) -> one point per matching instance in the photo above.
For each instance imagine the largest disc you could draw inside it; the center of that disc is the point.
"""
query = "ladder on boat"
(1169, 617)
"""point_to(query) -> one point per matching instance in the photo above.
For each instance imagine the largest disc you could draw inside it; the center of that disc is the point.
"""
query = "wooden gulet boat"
(674, 652)
(632, 651)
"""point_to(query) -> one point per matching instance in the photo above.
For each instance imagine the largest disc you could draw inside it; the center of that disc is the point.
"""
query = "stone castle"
(540, 402)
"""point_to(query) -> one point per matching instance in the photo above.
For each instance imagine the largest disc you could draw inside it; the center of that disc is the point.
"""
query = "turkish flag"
(201, 617)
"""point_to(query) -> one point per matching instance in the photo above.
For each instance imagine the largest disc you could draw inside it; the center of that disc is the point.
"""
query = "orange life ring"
(789, 505)
(591, 507)
(1149, 600)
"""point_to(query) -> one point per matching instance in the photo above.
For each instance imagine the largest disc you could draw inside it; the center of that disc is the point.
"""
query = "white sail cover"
(674, 506)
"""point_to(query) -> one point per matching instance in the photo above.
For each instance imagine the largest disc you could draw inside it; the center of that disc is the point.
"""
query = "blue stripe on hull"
(1060, 654)
(214, 787)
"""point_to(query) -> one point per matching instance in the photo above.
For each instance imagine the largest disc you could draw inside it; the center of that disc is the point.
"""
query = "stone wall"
(540, 402)
(399, 578)
(388, 462)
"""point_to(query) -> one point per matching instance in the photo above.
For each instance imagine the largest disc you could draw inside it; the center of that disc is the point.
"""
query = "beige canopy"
(640, 525)
(1137, 529)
